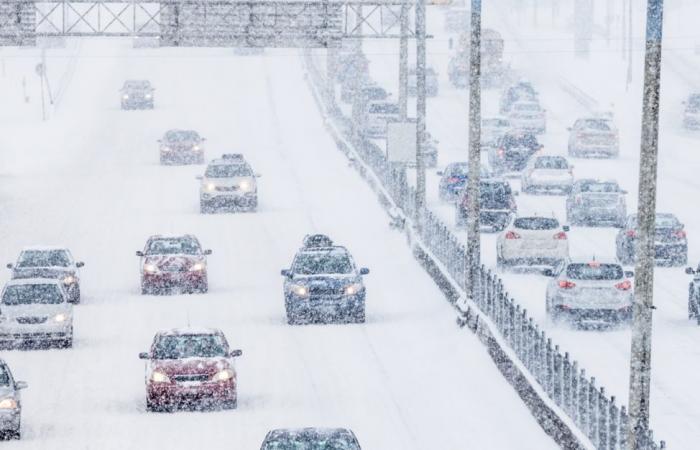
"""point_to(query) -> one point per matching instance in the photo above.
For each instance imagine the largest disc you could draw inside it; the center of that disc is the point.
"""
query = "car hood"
(42, 272)
(326, 279)
(173, 262)
(191, 366)
(34, 310)
(600, 197)
(228, 181)
(6, 391)
(183, 143)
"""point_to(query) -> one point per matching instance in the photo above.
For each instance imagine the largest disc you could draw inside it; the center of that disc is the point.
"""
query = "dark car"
(670, 242)
(323, 284)
(310, 439)
(512, 152)
(497, 205)
(137, 94)
(454, 179)
(181, 147)
(50, 262)
(596, 202)
(190, 368)
(173, 262)
(10, 403)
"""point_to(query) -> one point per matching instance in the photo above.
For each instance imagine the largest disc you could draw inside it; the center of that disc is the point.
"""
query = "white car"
(36, 311)
(528, 116)
(547, 173)
(50, 262)
(492, 129)
(594, 136)
(228, 182)
(377, 115)
(532, 241)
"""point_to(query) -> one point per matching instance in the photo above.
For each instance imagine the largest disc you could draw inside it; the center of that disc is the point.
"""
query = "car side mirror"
(9, 265)
(139, 253)
(364, 271)
(79, 264)
(285, 273)
(21, 385)
(203, 139)
(566, 228)
(258, 175)
(199, 177)
(629, 273)
(440, 173)
(144, 355)
(568, 128)
(207, 252)
(689, 271)
(548, 272)
(236, 353)
(516, 193)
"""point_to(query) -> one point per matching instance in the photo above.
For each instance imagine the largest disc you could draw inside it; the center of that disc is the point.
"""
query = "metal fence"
(596, 414)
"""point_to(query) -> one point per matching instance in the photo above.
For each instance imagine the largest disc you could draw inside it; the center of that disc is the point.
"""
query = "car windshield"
(495, 195)
(551, 162)
(30, 294)
(494, 123)
(600, 187)
(228, 171)
(181, 135)
(384, 108)
(4, 376)
(137, 84)
(526, 107)
(523, 140)
(311, 442)
(662, 221)
(44, 258)
(458, 170)
(594, 271)
(312, 263)
(536, 223)
(190, 346)
(597, 124)
(173, 246)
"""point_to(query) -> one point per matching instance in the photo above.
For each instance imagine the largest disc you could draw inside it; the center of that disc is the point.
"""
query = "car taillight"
(680, 234)
(501, 152)
(566, 284)
(631, 233)
(560, 236)
(578, 199)
(624, 286)
(453, 179)
(512, 235)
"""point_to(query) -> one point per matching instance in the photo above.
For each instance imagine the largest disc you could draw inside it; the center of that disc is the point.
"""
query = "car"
(35, 312)
(691, 112)
(181, 147)
(228, 182)
(310, 439)
(694, 293)
(49, 262)
(492, 129)
(533, 241)
(190, 368)
(596, 202)
(377, 115)
(594, 137)
(520, 91)
(432, 84)
(137, 94)
(453, 179)
(323, 284)
(548, 173)
(173, 263)
(527, 116)
(497, 205)
(670, 242)
(10, 403)
(369, 91)
(512, 153)
(591, 293)
(430, 153)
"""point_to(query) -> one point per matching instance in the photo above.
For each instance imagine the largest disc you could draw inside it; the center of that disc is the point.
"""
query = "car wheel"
(203, 287)
(229, 404)
(76, 297)
(253, 204)
(204, 207)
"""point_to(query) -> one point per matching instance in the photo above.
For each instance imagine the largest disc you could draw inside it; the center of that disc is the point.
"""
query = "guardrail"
(588, 407)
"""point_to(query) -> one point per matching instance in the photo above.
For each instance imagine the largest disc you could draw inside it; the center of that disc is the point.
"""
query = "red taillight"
(566, 284)
(578, 199)
(631, 233)
(624, 286)
(560, 236)
(512, 235)
(501, 152)
(680, 234)
(453, 179)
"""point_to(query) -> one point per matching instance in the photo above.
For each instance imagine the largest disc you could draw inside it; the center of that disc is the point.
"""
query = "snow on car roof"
(189, 331)
(43, 248)
(25, 281)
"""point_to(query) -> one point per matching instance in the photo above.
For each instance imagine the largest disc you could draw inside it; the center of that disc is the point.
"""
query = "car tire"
(203, 287)
(253, 204)
(359, 316)
(76, 298)
(230, 404)
(204, 207)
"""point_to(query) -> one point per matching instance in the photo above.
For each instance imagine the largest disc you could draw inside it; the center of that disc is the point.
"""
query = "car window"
(495, 195)
(173, 246)
(526, 107)
(30, 294)
(190, 346)
(180, 135)
(597, 124)
(137, 84)
(536, 223)
(44, 258)
(524, 140)
(384, 108)
(694, 102)
(228, 171)
(330, 262)
(4, 376)
(547, 162)
(305, 442)
(458, 170)
(594, 271)
(662, 221)
(603, 187)
(499, 123)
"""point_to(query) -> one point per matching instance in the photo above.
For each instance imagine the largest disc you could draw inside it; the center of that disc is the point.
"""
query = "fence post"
(566, 378)
(592, 410)
(548, 367)
(612, 425)
(624, 424)
(557, 376)
(574, 392)
(583, 402)
(603, 410)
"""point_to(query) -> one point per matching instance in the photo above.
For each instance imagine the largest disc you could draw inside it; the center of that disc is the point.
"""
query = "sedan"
(670, 241)
(547, 174)
(173, 262)
(533, 241)
(595, 202)
(10, 403)
(181, 147)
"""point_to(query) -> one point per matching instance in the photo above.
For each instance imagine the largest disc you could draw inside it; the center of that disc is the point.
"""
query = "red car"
(173, 263)
(190, 368)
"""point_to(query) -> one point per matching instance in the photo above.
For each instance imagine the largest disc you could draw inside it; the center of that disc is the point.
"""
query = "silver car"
(594, 136)
(228, 182)
(10, 403)
(591, 293)
(50, 262)
(596, 202)
(36, 311)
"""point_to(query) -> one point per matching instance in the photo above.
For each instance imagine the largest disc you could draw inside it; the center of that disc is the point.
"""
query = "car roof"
(578, 261)
(319, 431)
(29, 281)
(43, 248)
(189, 331)
(229, 159)
(331, 249)
(172, 236)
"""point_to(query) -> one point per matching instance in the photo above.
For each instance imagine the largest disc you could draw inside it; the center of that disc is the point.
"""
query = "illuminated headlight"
(70, 279)
(299, 290)
(196, 148)
(244, 186)
(223, 375)
(352, 289)
(165, 149)
(8, 403)
(148, 95)
(197, 267)
(125, 97)
(60, 317)
(159, 377)
(150, 268)
(209, 187)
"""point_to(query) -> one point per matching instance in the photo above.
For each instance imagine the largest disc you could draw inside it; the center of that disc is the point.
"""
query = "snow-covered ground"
(89, 178)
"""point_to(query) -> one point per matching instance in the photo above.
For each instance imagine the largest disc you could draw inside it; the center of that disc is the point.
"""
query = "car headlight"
(165, 149)
(70, 279)
(352, 289)
(209, 187)
(299, 290)
(223, 375)
(150, 268)
(196, 148)
(8, 403)
(60, 317)
(197, 267)
(148, 95)
(244, 186)
(159, 377)
(125, 96)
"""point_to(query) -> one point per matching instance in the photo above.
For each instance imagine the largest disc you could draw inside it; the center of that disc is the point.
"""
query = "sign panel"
(17, 23)
(401, 141)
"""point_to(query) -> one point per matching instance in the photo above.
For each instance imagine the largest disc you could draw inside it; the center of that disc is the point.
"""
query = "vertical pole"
(331, 57)
(420, 111)
(640, 362)
(609, 5)
(357, 103)
(629, 43)
(473, 238)
(403, 64)
(44, 76)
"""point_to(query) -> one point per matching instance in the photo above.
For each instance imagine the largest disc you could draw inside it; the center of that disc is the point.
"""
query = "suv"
(595, 202)
(512, 152)
(50, 262)
(181, 147)
(36, 311)
(137, 94)
(323, 284)
(173, 262)
(10, 403)
(228, 181)
(190, 368)
(497, 203)
(691, 113)
(594, 136)
(670, 241)
(311, 438)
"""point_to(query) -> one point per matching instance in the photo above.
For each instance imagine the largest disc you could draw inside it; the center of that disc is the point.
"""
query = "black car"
(670, 243)
(454, 179)
(311, 439)
(596, 202)
(323, 284)
(496, 202)
(137, 94)
(10, 403)
(512, 152)
(181, 147)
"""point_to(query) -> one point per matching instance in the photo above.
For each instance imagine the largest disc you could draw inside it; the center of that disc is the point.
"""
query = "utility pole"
(629, 43)
(420, 112)
(640, 362)
(474, 209)
(403, 64)
(357, 101)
